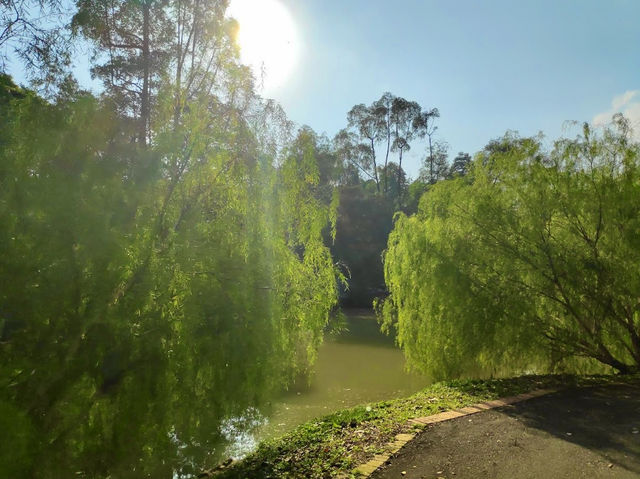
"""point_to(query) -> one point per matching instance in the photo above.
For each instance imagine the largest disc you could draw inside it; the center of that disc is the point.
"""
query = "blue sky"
(489, 66)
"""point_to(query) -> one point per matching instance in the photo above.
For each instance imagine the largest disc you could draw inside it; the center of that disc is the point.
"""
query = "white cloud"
(628, 104)
(602, 118)
(632, 112)
(621, 100)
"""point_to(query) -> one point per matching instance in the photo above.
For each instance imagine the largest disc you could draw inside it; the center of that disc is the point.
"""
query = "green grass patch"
(335, 444)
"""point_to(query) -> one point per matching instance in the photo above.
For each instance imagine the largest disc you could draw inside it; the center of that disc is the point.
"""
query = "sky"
(488, 65)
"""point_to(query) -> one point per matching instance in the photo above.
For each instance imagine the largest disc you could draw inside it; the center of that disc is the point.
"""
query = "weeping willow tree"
(530, 262)
(148, 292)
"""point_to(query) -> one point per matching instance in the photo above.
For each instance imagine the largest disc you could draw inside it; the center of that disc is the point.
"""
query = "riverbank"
(334, 445)
(355, 365)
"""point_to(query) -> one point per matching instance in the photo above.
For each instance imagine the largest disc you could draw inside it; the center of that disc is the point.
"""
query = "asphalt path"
(576, 433)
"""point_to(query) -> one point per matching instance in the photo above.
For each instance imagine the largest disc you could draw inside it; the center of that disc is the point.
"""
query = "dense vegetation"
(166, 259)
(373, 187)
(163, 261)
(529, 262)
(146, 294)
(172, 248)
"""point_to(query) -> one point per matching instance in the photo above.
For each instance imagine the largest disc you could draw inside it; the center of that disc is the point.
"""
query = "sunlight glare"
(267, 38)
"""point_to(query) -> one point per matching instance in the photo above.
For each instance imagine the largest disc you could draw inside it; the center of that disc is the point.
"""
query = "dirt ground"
(577, 433)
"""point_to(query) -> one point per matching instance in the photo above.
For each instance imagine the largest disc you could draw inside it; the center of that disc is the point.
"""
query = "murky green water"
(358, 366)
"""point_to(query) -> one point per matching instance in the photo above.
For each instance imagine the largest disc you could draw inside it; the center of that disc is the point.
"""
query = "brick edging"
(365, 470)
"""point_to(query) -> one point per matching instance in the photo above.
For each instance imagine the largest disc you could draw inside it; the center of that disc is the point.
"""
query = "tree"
(390, 120)
(403, 116)
(435, 166)
(142, 47)
(366, 123)
(353, 155)
(132, 48)
(425, 124)
(390, 124)
(527, 263)
(398, 184)
(382, 109)
(207, 59)
(148, 294)
(35, 31)
(460, 165)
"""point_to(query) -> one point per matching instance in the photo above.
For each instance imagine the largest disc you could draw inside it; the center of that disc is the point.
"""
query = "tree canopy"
(173, 248)
(150, 290)
(527, 263)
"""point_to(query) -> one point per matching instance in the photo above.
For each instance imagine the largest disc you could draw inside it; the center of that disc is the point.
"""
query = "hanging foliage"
(527, 263)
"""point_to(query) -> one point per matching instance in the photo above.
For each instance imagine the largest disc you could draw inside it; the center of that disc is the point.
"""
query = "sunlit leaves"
(146, 294)
(527, 263)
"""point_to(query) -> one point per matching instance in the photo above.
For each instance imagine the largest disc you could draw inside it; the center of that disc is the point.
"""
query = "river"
(359, 365)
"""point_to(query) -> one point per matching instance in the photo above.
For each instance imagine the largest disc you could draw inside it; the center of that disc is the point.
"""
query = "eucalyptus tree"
(435, 166)
(354, 154)
(206, 59)
(425, 123)
(529, 262)
(392, 121)
(383, 111)
(367, 125)
(404, 116)
(398, 187)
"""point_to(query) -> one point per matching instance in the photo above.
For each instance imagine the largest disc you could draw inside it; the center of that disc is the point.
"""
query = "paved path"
(578, 433)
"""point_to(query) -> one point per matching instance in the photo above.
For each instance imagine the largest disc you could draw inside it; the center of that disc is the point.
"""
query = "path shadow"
(605, 420)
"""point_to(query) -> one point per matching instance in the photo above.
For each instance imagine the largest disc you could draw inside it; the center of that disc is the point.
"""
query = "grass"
(334, 445)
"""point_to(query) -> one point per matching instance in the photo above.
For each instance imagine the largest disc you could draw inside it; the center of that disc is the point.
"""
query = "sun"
(268, 40)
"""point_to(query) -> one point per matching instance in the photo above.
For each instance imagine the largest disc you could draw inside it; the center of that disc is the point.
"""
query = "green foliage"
(34, 32)
(527, 263)
(143, 47)
(390, 122)
(460, 165)
(146, 294)
(373, 186)
(363, 225)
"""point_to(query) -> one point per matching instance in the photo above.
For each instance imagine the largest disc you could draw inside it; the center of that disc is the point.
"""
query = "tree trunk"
(375, 165)
(178, 82)
(145, 104)
(430, 161)
(604, 356)
(386, 158)
(400, 175)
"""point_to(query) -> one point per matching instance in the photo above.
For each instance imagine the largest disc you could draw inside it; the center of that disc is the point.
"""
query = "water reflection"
(240, 433)
(358, 366)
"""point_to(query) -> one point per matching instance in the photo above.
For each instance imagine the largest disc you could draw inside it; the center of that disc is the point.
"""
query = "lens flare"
(268, 40)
